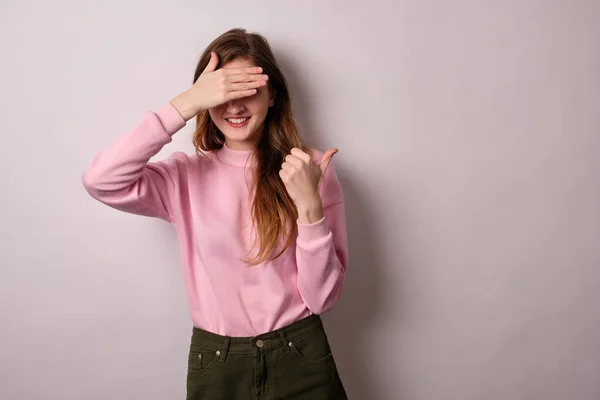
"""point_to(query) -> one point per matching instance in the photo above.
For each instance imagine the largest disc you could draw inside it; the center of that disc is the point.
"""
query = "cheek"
(260, 105)
(215, 114)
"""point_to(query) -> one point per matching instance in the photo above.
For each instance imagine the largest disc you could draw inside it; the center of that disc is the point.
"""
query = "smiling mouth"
(237, 122)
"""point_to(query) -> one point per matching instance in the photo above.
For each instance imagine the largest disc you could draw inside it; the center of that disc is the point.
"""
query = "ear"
(272, 98)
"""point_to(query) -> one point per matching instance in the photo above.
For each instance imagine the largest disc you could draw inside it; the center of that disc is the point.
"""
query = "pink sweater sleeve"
(322, 249)
(121, 175)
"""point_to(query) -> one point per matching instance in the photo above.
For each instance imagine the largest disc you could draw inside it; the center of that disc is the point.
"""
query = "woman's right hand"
(213, 88)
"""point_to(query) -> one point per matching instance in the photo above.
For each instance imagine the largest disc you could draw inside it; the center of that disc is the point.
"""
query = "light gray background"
(469, 134)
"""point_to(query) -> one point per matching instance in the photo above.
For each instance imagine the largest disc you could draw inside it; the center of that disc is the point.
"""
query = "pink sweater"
(207, 200)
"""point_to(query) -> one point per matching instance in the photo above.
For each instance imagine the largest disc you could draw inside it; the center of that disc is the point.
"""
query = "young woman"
(260, 219)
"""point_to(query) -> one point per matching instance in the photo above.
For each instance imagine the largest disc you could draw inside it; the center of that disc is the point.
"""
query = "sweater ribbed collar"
(239, 158)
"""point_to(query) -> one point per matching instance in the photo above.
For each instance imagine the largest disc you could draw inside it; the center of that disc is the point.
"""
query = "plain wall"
(469, 135)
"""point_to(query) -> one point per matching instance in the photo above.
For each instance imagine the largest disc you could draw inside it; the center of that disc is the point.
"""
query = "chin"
(239, 137)
(249, 133)
(236, 135)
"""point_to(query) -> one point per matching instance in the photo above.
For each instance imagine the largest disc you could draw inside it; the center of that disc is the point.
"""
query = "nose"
(234, 106)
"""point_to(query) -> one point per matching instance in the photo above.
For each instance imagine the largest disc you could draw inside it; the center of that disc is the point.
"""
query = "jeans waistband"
(224, 345)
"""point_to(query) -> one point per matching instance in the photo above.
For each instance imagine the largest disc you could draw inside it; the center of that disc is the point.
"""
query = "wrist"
(184, 105)
(311, 212)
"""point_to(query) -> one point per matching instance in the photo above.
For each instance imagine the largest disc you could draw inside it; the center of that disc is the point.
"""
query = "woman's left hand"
(302, 178)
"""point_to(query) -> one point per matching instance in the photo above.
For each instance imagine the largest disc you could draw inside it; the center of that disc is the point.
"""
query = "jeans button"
(260, 343)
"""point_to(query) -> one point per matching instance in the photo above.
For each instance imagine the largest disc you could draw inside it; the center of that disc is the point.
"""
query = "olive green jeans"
(294, 362)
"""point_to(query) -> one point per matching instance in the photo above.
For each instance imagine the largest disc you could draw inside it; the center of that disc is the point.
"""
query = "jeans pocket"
(201, 359)
(313, 348)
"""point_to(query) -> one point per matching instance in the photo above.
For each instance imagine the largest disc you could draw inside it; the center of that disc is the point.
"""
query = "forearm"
(122, 161)
(321, 256)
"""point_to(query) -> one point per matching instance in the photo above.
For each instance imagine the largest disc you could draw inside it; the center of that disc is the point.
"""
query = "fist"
(302, 176)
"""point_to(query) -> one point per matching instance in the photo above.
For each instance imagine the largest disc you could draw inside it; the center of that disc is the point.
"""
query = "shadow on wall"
(349, 323)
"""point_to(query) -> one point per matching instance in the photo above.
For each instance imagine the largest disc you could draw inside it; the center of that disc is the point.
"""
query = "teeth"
(237, 120)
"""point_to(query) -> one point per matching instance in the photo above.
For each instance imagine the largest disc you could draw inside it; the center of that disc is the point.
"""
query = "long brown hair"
(273, 211)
